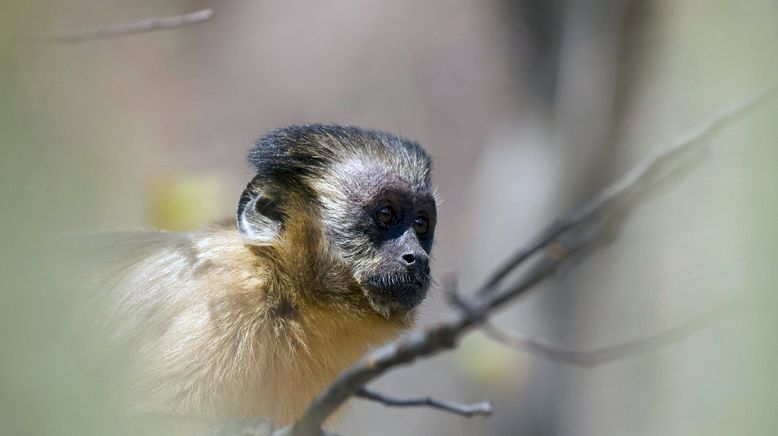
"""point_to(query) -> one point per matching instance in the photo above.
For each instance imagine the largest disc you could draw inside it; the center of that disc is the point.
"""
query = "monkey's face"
(383, 226)
(377, 213)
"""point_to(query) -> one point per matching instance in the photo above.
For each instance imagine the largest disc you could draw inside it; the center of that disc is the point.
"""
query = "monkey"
(327, 256)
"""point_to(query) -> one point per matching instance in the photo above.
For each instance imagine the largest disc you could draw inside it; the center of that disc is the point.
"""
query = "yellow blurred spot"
(492, 363)
(186, 201)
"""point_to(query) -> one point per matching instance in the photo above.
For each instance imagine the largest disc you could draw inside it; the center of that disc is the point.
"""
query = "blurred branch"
(573, 232)
(483, 408)
(652, 170)
(591, 358)
(141, 26)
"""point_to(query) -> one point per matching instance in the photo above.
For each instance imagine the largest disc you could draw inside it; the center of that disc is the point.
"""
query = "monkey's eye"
(386, 216)
(420, 225)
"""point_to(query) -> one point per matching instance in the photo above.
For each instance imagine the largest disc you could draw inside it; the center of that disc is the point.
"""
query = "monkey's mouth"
(396, 294)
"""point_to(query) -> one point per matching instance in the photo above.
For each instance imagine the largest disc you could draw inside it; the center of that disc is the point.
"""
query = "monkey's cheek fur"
(392, 297)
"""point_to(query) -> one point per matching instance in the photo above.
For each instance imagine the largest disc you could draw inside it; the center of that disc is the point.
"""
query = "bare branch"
(483, 408)
(591, 358)
(570, 234)
(658, 163)
(140, 26)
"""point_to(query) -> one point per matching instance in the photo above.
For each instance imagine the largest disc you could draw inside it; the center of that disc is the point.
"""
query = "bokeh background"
(528, 107)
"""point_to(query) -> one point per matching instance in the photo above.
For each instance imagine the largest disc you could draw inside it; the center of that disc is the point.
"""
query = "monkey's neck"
(278, 331)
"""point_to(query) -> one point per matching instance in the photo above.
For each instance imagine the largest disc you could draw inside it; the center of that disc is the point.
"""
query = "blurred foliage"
(490, 362)
(185, 201)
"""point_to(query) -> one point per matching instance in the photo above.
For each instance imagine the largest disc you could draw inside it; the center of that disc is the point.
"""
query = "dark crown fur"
(292, 154)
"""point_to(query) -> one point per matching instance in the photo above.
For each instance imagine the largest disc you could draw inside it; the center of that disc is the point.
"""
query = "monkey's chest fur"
(209, 330)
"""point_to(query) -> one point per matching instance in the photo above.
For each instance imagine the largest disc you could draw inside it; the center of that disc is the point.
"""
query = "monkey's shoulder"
(142, 269)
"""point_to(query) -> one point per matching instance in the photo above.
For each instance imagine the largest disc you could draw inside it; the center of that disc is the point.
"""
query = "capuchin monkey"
(254, 316)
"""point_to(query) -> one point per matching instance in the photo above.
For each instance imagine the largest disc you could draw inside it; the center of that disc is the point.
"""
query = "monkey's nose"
(409, 258)
(415, 260)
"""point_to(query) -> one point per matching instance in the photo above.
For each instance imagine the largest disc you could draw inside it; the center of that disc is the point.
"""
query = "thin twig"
(483, 408)
(591, 358)
(140, 26)
(578, 230)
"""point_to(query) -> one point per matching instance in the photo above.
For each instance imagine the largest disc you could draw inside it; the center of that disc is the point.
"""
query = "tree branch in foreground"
(133, 27)
(580, 229)
(658, 166)
(483, 408)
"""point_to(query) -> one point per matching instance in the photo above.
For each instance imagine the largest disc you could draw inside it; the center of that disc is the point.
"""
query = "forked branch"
(598, 356)
(582, 228)
(483, 408)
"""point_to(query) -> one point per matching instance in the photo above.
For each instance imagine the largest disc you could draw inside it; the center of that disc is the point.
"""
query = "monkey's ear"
(259, 216)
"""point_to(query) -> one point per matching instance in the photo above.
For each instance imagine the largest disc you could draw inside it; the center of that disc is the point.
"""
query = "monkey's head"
(361, 197)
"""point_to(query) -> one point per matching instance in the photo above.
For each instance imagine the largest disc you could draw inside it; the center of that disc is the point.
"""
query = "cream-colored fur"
(210, 328)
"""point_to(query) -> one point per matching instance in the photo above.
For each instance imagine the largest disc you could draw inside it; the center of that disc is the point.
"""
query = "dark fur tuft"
(290, 155)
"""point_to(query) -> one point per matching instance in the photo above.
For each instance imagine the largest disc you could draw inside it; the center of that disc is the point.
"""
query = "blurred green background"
(527, 107)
